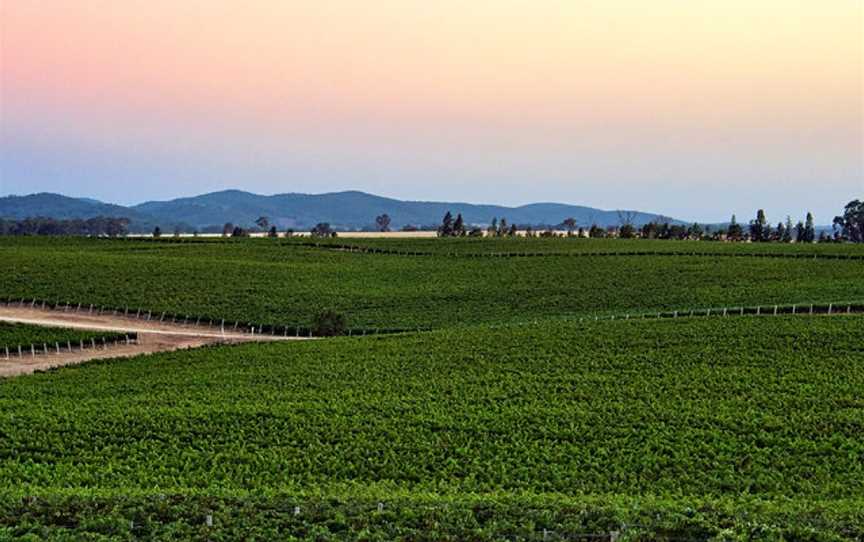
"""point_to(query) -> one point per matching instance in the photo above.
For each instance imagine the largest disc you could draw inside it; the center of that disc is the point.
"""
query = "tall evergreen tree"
(446, 227)
(759, 228)
(459, 226)
(780, 232)
(809, 229)
(799, 232)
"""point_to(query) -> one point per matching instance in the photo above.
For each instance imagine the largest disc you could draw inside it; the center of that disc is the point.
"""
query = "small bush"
(329, 323)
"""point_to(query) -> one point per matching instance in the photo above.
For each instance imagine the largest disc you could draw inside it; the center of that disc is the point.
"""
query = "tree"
(116, 226)
(476, 231)
(513, 231)
(262, 222)
(759, 228)
(157, 232)
(227, 229)
(446, 227)
(596, 232)
(787, 230)
(649, 230)
(569, 224)
(502, 227)
(809, 229)
(329, 323)
(735, 232)
(799, 232)
(851, 222)
(780, 232)
(383, 222)
(459, 226)
(627, 231)
(322, 229)
(273, 232)
(492, 231)
(238, 232)
(695, 231)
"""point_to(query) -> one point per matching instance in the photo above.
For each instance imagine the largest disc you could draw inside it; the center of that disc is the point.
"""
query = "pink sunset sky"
(694, 109)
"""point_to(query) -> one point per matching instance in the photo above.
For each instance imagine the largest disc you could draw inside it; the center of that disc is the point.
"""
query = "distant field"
(278, 283)
(752, 424)
(539, 245)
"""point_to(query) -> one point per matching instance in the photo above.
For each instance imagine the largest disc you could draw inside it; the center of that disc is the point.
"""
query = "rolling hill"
(349, 210)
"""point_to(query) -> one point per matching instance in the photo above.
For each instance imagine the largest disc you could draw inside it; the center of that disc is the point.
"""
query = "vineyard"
(286, 284)
(512, 414)
(695, 409)
(467, 246)
(14, 335)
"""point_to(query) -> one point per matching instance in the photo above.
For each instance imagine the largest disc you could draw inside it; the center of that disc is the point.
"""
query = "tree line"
(848, 226)
(96, 226)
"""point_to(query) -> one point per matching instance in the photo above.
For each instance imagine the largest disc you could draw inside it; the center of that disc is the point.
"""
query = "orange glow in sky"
(589, 95)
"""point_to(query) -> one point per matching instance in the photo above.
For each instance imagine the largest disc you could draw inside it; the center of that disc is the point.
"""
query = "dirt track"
(152, 337)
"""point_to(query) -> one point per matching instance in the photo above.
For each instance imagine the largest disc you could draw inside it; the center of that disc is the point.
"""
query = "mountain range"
(351, 210)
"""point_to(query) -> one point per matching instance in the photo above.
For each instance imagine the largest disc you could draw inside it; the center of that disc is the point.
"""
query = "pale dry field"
(153, 336)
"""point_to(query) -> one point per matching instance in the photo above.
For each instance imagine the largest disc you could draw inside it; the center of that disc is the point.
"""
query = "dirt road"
(152, 337)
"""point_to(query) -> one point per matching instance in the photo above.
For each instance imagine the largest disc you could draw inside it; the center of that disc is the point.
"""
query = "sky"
(692, 109)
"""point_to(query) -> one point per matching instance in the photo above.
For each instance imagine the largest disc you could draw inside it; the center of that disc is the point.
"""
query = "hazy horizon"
(691, 110)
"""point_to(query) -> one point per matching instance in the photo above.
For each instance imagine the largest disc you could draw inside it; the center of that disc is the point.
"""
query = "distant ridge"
(350, 210)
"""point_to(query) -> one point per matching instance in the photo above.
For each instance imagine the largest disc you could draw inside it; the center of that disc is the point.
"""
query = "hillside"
(353, 210)
(61, 207)
(503, 410)
(349, 210)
